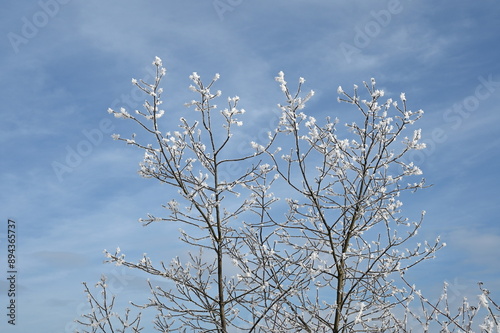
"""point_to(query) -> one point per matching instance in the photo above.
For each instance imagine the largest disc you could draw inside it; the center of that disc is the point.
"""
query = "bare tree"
(102, 318)
(330, 257)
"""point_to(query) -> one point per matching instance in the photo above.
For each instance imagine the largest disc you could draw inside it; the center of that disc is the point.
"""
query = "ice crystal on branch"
(311, 239)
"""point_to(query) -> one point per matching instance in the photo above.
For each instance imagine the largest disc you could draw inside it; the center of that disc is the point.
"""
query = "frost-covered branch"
(102, 318)
(306, 234)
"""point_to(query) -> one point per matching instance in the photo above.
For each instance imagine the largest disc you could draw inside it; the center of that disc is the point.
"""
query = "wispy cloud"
(57, 87)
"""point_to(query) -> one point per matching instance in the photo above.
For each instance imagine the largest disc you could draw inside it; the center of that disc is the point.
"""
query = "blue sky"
(63, 63)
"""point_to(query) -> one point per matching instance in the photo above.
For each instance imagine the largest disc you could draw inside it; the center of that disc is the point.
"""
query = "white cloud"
(62, 81)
